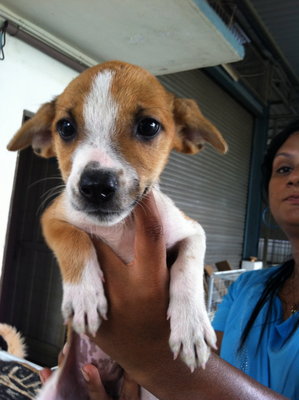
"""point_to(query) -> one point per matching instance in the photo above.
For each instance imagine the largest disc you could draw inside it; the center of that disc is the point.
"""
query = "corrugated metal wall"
(210, 187)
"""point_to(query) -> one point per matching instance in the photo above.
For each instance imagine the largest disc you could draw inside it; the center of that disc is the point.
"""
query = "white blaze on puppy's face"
(100, 111)
(98, 145)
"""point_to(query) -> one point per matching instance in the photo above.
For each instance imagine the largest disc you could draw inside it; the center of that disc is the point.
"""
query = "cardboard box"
(250, 265)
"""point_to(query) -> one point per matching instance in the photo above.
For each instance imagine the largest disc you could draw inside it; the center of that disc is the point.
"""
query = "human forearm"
(171, 380)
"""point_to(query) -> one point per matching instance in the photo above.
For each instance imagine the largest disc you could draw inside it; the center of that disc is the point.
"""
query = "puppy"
(112, 130)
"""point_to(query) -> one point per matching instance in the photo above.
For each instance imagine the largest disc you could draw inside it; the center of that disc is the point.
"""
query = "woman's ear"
(193, 129)
(36, 132)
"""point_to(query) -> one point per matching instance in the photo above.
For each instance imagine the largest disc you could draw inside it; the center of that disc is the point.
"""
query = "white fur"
(191, 331)
(86, 300)
(190, 327)
(100, 110)
(49, 391)
(85, 154)
(99, 113)
(146, 395)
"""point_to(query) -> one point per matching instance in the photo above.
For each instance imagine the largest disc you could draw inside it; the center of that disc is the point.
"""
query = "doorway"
(31, 291)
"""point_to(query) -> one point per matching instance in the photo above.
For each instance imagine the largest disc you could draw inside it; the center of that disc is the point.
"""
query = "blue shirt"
(275, 363)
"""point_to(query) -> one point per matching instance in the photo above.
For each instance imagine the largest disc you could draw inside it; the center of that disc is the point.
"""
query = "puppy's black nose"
(98, 186)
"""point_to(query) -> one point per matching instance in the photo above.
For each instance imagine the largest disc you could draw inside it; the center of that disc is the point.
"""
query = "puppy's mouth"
(105, 196)
(107, 212)
(98, 211)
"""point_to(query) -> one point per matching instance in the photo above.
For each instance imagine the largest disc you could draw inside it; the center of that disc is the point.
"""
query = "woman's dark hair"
(280, 276)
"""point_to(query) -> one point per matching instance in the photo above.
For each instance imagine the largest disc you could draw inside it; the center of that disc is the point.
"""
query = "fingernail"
(42, 378)
(65, 348)
(85, 375)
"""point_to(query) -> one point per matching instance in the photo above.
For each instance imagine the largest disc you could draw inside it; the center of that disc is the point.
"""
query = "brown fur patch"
(70, 105)
(36, 132)
(71, 246)
(194, 130)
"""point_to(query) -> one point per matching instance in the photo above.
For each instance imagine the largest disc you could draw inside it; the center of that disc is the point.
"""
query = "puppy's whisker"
(44, 203)
(58, 188)
(43, 180)
(49, 195)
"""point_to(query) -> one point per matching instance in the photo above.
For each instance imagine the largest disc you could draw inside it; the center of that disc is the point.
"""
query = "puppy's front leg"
(83, 292)
(191, 332)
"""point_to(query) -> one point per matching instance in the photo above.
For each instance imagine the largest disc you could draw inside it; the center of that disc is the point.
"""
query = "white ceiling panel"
(163, 36)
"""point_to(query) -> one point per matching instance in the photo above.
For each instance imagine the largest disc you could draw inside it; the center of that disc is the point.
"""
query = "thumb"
(95, 388)
(149, 238)
(109, 261)
(45, 374)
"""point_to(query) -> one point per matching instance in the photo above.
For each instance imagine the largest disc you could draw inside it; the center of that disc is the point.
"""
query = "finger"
(149, 239)
(130, 389)
(95, 388)
(45, 374)
(63, 353)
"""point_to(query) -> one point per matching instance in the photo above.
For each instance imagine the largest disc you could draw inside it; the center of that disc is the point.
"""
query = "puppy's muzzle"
(98, 186)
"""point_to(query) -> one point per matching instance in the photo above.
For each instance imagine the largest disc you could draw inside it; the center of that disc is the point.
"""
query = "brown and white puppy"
(112, 130)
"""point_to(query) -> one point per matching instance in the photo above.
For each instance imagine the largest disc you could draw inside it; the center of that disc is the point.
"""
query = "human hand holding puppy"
(140, 287)
(136, 332)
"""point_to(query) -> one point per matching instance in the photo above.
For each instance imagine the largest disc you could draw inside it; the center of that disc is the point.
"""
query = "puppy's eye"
(66, 129)
(147, 128)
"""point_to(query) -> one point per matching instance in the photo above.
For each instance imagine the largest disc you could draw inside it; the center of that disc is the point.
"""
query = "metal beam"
(254, 200)
(15, 30)
(236, 89)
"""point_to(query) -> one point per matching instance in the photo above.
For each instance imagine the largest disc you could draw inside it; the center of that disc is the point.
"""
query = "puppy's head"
(112, 130)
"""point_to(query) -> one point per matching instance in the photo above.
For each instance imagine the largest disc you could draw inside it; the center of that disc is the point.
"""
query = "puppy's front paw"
(191, 334)
(85, 302)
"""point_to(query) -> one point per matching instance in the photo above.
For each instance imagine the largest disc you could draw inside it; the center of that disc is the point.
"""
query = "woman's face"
(284, 184)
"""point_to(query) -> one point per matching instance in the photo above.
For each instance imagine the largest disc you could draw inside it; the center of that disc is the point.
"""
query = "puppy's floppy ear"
(193, 129)
(36, 132)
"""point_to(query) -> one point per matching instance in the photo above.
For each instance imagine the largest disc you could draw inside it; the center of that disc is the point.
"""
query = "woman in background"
(257, 322)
